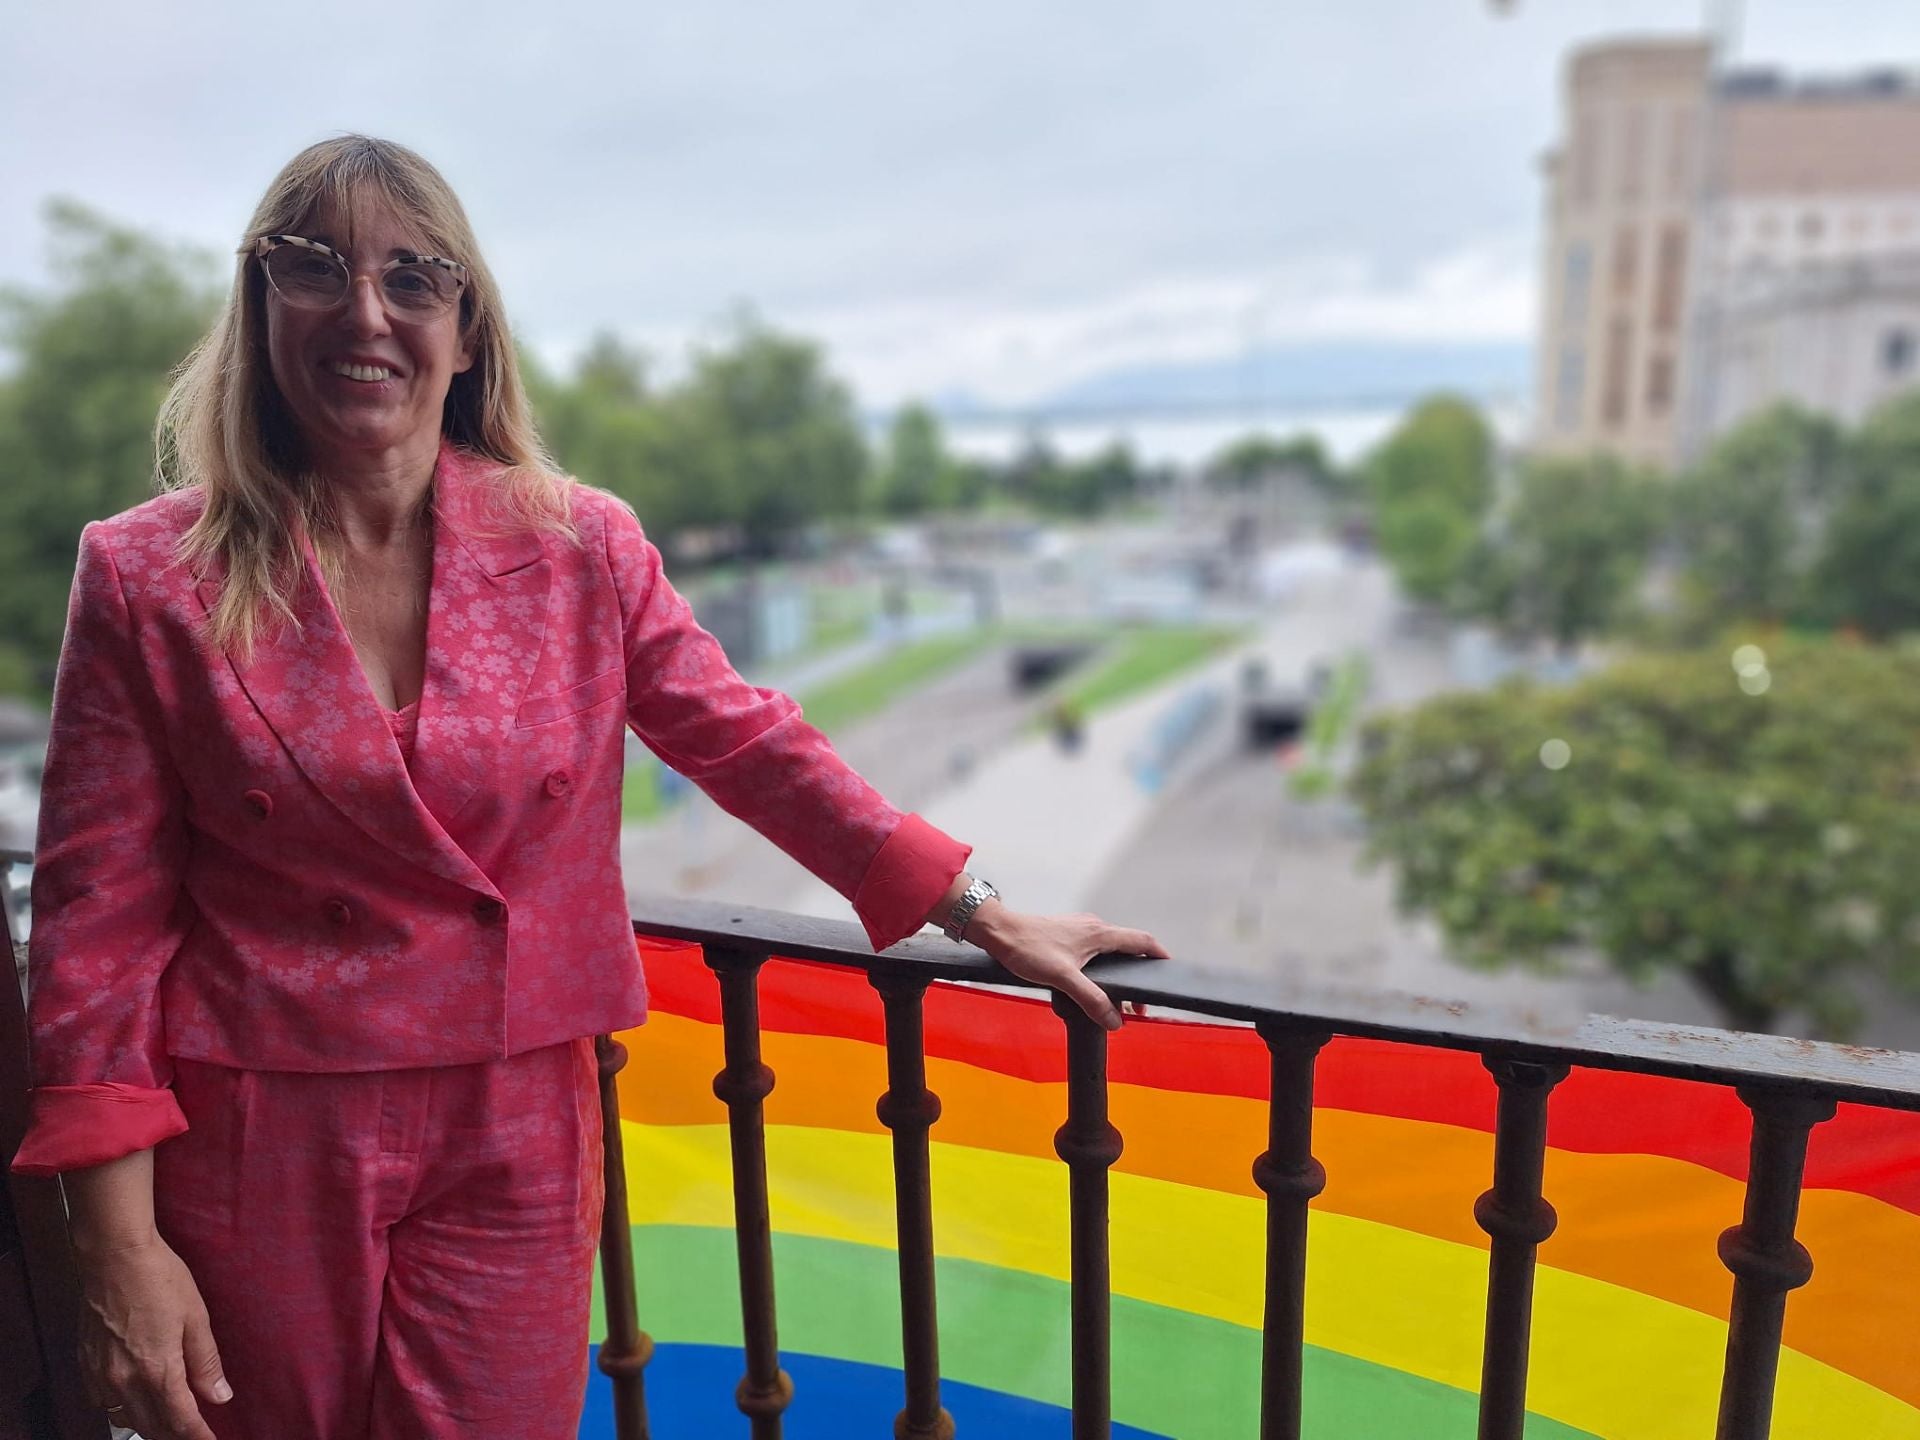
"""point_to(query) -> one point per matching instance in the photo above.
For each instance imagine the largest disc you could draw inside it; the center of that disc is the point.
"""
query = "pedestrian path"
(1046, 826)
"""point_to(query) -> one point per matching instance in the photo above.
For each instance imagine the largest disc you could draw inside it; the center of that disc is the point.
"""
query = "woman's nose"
(366, 310)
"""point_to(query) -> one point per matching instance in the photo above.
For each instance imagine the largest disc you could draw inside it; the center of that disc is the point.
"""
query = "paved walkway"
(1045, 825)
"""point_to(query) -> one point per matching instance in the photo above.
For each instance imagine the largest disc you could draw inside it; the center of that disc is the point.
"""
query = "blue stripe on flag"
(690, 1397)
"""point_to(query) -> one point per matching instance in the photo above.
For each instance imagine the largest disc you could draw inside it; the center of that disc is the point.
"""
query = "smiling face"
(364, 390)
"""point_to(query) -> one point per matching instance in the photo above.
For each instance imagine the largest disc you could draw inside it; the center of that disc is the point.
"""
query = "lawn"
(866, 691)
(640, 797)
(1138, 659)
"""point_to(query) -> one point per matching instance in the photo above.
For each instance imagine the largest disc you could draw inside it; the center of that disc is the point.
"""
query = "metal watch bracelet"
(971, 899)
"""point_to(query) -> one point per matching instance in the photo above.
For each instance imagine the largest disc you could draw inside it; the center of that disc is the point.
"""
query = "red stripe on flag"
(1862, 1148)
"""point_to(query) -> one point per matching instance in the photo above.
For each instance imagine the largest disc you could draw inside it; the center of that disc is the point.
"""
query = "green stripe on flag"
(1007, 1330)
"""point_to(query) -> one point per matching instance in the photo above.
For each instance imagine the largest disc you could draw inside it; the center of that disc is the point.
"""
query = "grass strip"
(640, 797)
(845, 699)
(1327, 727)
(1139, 659)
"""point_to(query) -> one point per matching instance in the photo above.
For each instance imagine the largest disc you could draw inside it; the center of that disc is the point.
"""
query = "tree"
(1563, 558)
(1254, 459)
(917, 475)
(1430, 483)
(1751, 517)
(762, 437)
(92, 357)
(758, 438)
(1868, 573)
(1755, 831)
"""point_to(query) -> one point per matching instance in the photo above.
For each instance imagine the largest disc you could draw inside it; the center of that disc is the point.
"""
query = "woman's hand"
(146, 1349)
(1053, 950)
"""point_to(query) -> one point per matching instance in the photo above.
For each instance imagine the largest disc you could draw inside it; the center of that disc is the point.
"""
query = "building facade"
(1719, 241)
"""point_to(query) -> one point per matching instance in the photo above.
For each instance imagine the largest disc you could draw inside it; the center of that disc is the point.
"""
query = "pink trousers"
(395, 1255)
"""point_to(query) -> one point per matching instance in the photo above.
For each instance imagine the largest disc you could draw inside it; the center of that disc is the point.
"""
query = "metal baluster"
(1765, 1259)
(1291, 1177)
(627, 1348)
(1517, 1219)
(765, 1392)
(909, 1110)
(1089, 1145)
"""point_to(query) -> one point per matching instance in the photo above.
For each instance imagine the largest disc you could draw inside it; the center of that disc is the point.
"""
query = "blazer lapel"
(486, 614)
(484, 632)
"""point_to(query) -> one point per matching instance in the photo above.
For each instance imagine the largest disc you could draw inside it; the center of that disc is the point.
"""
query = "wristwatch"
(971, 899)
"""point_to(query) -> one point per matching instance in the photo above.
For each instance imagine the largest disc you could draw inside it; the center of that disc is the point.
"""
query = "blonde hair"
(224, 427)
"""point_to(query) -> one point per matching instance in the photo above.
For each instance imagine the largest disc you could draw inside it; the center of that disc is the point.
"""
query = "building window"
(1619, 363)
(1626, 260)
(1680, 129)
(1896, 352)
(1630, 165)
(1670, 278)
(1812, 226)
(1575, 283)
(1660, 385)
(1586, 156)
(1570, 390)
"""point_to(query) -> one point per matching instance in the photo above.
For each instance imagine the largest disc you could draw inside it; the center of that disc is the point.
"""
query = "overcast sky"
(998, 195)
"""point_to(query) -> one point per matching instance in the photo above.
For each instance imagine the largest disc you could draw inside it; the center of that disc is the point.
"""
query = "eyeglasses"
(312, 276)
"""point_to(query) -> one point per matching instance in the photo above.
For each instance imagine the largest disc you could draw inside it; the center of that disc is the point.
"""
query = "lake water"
(1189, 440)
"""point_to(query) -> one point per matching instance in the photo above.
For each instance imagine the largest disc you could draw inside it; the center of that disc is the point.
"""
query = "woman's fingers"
(204, 1374)
(1089, 997)
(1118, 940)
(182, 1419)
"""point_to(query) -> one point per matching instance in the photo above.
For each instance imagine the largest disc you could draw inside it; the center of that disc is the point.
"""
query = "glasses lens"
(419, 287)
(306, 277)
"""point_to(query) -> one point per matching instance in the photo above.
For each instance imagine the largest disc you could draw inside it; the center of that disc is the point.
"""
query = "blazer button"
(559, 782)
(489, 911)
(338, 911)
(259, 802)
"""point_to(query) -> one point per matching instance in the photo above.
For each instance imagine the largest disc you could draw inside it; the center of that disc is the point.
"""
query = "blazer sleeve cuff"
(908, 875)
(70, 1127)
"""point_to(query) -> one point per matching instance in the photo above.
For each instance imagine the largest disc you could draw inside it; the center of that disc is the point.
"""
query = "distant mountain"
(1326, 375)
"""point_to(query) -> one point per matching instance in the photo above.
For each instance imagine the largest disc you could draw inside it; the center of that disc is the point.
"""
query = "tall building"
(1718, 241)
(1810, 286)
(1622, 193)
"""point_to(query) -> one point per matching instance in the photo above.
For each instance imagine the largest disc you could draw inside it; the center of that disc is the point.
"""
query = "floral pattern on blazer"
(236, 865)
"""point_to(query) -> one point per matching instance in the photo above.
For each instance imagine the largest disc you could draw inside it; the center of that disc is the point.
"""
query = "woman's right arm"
(146, 1348)
(109, 914)
(109, 908)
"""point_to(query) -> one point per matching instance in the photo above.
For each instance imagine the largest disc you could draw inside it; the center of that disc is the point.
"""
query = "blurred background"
(1422, 494)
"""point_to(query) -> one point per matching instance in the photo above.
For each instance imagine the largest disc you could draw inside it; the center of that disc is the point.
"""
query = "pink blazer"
(236, 865)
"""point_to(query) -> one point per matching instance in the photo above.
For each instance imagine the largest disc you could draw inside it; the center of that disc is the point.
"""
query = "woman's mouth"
(364, 373)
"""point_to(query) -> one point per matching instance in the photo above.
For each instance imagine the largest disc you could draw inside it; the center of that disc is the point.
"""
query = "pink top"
(405, 723)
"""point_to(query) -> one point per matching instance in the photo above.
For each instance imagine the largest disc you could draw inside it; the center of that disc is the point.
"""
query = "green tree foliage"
(1757, 834)
(916, 474)
(1254, 459)
(759, 437)
(1868, 574)
(1751, 518)
(89, 359)
(766, 436)
(1430, 484)
(1039, 477)
(1562, 559)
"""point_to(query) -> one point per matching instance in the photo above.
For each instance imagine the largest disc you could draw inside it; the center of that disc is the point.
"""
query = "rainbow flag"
(1630, 1303)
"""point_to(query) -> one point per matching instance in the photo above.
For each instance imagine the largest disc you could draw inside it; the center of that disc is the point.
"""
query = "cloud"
(996, 196)
(1017, 353)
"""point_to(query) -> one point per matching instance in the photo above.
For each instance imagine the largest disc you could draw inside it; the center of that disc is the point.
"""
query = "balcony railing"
(1789, 1086)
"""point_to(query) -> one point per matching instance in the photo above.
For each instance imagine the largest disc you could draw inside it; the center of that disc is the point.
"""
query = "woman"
(328, 898)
